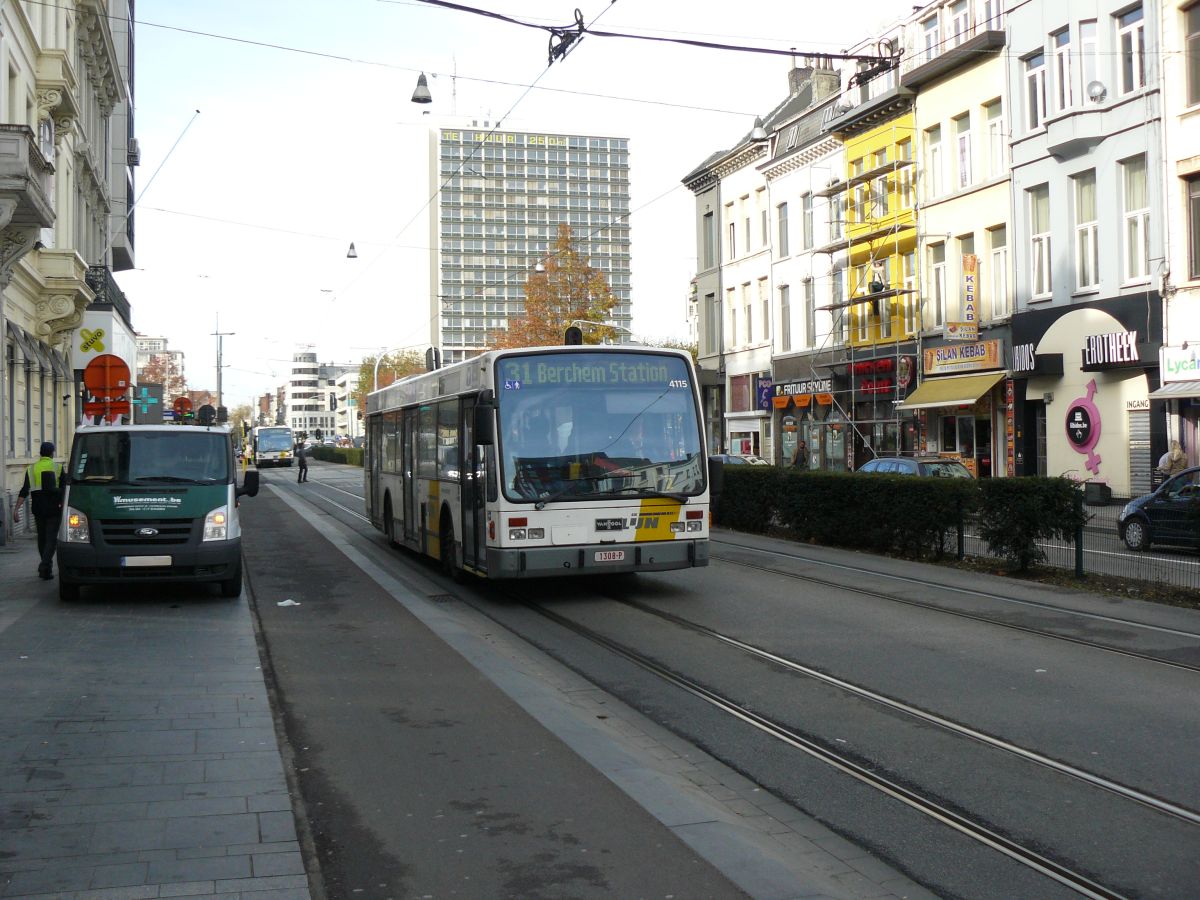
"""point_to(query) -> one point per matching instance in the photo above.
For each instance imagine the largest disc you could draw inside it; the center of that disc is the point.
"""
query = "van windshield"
(151, 457)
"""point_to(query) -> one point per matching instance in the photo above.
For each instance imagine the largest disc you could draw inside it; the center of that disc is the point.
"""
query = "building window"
(836, 207)
(837, 299)
(806, 224)
(732, 240)
(764, 303)
(1192, 53)
(1136, 205)
(785, 318)
(746, 224)
(748, 311)
(908, 300)
(1063, 92)
(989, 11)
(760, 204)
(709, 238)
(998, 263)
(810, 313)
(937, 282)
(1089, 59)
(905, 175)
(960, 22)
(1035, 90)
(729, 296)
(781, 212)
(931, 38)
(1039, 241)
(1131, 43)
(962, 132)
(996, 138)
(712, 323)
(933, 169)
(1087, 246)
(1193, 220)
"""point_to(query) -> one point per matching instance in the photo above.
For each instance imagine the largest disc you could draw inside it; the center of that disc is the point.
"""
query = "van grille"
(124, 533)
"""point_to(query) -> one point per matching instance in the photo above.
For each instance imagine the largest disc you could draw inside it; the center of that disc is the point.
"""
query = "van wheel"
(232, 587)
(68, 591)
(449, 553)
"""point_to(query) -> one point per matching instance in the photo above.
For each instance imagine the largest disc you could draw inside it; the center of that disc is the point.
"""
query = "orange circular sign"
(106, 376)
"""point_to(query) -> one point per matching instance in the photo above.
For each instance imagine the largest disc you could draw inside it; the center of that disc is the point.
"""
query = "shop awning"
(1176, 390)
(954, 390)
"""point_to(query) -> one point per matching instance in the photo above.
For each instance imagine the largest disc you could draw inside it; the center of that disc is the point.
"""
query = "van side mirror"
(249, 486)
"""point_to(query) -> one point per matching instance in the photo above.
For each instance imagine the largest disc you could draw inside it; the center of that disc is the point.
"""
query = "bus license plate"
(610, 556)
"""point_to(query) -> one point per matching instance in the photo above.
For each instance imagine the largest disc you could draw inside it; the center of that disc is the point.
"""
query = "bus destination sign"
(533, 372)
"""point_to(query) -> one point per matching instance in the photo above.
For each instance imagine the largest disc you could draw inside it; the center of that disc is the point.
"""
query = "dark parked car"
(931, 466)
(1170, 515)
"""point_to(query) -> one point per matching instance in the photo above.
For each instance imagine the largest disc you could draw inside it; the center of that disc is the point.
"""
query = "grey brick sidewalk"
(137, 752)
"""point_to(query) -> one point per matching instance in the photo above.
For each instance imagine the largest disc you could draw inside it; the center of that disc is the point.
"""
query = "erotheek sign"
(1111, 351)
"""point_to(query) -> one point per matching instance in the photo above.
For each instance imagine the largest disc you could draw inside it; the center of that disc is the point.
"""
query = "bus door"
(408, 468)
(473, 490)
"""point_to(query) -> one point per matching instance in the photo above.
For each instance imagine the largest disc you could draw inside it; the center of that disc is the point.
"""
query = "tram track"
(862, 773)
(1024, 851)
(972, 616)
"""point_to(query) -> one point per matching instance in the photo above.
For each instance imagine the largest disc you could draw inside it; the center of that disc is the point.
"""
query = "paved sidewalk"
(138, 757)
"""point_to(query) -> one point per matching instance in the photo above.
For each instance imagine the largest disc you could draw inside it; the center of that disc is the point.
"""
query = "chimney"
(797, 77)
(825, 82)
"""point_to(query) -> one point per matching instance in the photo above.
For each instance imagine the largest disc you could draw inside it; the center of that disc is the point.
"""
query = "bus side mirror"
(249, 486)
(485, 423)
(716, 478)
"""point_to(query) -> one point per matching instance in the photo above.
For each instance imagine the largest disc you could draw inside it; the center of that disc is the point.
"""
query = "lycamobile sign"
(1179, 364)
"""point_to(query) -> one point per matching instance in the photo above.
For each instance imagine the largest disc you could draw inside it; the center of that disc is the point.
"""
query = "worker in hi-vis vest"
(43, 480)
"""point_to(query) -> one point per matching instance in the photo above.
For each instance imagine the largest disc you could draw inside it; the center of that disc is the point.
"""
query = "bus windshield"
(273, 439)
(180, 455)
(581, 425)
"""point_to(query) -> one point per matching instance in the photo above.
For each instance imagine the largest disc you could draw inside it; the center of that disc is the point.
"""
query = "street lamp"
(380, 357)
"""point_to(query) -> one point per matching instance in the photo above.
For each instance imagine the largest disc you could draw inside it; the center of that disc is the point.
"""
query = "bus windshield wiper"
(571, 488)
(654, 492)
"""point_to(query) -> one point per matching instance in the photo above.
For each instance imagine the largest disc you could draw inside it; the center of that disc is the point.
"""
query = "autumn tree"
(240, 414)
(672, 344)
(162, 369)
(392, 367)
(566, 291)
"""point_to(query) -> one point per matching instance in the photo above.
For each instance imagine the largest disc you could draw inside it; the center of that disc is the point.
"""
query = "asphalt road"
(350, 670)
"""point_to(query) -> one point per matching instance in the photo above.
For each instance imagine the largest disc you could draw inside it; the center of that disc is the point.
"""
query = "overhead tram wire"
(479, 145)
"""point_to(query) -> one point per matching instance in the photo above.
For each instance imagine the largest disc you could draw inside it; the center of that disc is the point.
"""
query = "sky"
(273, 133)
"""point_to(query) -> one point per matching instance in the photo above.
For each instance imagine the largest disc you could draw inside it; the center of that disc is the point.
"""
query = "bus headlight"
(695, 525)
(77, 527)
(216, 524)
(676, 528)
(516, 534)
(537, 534)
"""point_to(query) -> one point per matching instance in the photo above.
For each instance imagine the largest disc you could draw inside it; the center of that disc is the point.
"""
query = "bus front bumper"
(548, 562)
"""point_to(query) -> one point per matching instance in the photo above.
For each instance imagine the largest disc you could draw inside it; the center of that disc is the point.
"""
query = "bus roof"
(216, 426)
(472, 374)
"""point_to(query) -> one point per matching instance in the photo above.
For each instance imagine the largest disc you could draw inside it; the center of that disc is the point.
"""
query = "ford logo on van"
(146, 532)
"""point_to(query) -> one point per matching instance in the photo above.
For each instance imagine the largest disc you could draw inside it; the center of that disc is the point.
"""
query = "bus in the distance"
(547, 461)
(271, 445)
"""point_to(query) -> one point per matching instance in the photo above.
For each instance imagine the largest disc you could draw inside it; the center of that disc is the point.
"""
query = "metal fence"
(1099, 550)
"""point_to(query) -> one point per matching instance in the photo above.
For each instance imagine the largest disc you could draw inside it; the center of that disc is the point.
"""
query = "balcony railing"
(108, 292)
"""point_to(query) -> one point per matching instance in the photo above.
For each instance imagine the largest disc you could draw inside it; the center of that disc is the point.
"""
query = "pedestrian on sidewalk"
(302, 461)
(800, 455)
(43, 484)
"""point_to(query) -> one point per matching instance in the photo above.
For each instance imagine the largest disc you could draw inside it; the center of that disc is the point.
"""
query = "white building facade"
(65, 183)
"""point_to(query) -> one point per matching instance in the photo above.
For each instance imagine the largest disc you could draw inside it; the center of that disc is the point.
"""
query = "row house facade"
(970, 256)
(66, 224)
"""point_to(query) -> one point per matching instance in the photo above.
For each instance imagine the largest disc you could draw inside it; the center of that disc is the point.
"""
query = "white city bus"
(541, 462)
(272, 445)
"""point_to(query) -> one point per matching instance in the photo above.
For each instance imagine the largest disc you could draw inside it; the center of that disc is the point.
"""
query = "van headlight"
(77, 530)
(216, 524)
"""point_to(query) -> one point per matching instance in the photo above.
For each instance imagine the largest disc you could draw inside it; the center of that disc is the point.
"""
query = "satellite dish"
(1096, 91)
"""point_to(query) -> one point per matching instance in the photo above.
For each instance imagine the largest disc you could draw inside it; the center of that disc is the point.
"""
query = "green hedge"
(915, 517)
(1016, 513)
(351, 456)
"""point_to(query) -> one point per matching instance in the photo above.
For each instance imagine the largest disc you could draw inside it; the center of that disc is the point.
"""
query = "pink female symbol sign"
(1083, 427)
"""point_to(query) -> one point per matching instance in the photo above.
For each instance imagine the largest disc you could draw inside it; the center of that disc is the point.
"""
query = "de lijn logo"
(1083, 427)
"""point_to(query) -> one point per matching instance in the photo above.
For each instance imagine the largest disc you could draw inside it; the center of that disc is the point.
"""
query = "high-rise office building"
(501, 196)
